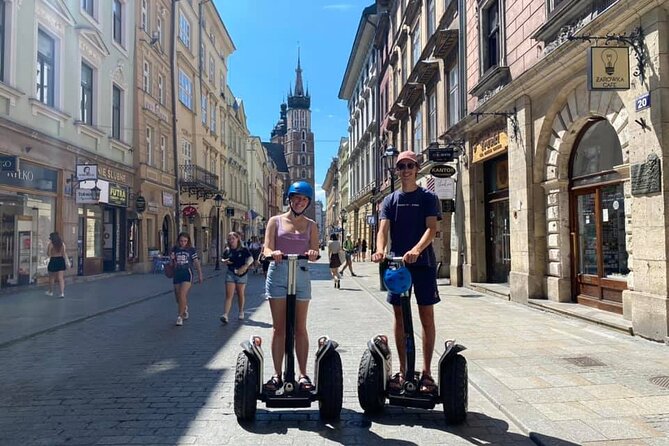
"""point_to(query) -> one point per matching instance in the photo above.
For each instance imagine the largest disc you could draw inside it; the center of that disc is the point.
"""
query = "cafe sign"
(490, 144)
(118, 195)
(609, 68)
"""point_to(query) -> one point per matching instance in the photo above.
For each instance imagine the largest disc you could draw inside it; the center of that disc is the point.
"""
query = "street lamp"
(218, 201)
(389, 157)
(342, 214)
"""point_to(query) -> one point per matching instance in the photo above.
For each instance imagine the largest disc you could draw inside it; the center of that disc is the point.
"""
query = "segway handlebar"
(299, 256)
(394, 259)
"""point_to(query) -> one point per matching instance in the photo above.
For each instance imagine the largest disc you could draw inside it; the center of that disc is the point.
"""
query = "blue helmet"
(397, 280)
(301, 188)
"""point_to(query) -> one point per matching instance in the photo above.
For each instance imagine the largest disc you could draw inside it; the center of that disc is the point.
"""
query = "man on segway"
(410, 216)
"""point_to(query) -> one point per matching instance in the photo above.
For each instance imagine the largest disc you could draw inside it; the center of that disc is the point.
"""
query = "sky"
(266, 34)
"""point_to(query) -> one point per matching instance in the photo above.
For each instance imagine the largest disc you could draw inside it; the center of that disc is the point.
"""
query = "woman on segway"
(290, 233)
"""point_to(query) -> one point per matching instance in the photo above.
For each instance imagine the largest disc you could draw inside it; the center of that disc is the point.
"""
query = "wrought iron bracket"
(509, 116)
(635, 39)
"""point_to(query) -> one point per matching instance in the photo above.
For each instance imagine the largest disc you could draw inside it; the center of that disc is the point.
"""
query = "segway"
(328, 386)
(375, 369)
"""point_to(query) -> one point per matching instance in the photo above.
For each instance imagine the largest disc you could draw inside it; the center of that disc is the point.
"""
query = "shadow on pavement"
(351, 425)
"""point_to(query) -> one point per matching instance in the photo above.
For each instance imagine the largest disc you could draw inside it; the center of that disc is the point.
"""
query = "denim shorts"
(276, 285)
(424, 286)
(231, 277)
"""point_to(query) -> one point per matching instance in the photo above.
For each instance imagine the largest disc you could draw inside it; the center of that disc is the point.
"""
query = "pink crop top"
(291, 242)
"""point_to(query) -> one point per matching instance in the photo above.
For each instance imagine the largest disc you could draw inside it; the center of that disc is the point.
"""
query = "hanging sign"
(442, 171)
(609, 68)
(190, 211)
(493, 142)
(140, 204)
(444, 188)
(9, 163)
(87, 172)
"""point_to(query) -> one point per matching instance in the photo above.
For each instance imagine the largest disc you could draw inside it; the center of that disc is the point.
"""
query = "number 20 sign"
(642, 102)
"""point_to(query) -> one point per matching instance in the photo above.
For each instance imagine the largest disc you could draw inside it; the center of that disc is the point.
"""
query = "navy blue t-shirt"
(407, 212)
(184, 257)
(238, 257)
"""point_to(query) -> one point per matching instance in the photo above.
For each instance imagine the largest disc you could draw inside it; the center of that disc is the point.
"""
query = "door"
(599, 254)
(498, 244)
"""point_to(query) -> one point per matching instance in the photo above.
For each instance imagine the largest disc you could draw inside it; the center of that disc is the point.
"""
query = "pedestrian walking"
(358, 250)
(410, 216)
(349, 248)
(239, 260)
(58, 263)
(363, 248)
(290, 233)
(184, 257)
(255, 247)
(335, 256)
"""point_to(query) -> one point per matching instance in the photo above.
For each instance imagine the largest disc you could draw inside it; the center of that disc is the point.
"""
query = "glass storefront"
(25, 224)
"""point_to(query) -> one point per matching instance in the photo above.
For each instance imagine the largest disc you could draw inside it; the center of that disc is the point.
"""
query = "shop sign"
(140, 204)
(168, 199)
(31, 176)
(86, 196)
(154, 108)
(118, 195)
(441, 155)
(87, 172)
(112, 174)
(153, 206)
(490, 144)
(444, 188)
(190, 211)
(609, 68)
(9, 163)
(442, 171)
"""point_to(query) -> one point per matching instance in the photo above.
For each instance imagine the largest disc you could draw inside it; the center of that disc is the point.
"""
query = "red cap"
(407, 155)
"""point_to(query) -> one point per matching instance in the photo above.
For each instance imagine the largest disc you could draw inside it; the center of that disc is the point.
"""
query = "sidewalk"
(555, 376)
(30, 312)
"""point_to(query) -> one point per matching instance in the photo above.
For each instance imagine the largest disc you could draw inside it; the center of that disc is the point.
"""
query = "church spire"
(299, 89)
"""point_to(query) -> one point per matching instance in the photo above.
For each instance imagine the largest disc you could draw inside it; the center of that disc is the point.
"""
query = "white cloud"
(339, 6)
(320, 194)
(331, 116)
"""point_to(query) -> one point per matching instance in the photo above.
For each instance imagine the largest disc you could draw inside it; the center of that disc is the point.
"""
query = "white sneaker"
(180, 321)
(241, 316)
(185, 315)
(224, 319)
(49, 293)
(62, 295)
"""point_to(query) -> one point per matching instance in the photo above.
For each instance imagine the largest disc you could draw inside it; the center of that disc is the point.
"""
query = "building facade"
(62, 65)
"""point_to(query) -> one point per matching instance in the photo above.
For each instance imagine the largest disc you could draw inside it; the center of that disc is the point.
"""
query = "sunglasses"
(403, 166)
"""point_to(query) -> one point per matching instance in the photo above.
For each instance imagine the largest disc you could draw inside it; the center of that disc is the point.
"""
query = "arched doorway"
(166, 236)
(597, 218)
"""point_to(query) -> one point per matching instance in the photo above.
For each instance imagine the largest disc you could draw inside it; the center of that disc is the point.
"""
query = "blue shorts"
(424, 279)
(231, 277)
(276, 285)
(182, 275)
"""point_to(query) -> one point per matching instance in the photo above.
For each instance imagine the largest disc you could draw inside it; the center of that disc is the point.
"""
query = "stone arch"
(571, 111)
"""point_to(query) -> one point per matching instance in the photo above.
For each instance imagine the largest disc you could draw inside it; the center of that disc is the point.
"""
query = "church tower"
(298, 140)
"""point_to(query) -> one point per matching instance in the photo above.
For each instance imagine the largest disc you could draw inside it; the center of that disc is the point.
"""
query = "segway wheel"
(246, 382)
(330, 387)
(453, 388)
(370, 384)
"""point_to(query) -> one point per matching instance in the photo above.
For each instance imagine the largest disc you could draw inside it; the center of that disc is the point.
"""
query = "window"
(159, 30)
(304, 173)
(304, 146)
(304, 134)
(491, 36)
(203, 105)
(86, 94)
(553, 4)
(418, 131)
(213, 116)
(163, 152)
(146, 77)
(185, 90)
(161, 89)
(222, 83)
(186, 151)
(431, 18)
(116, 112)
(149, 146)
(303, 161)
(453, 97)
(117, 21)
(144, 17)
(203, 62)
(404, 66)
(184, 30)
(212, 69)
(416, 45)
(46, 48)
(86, 5)
(432, 116)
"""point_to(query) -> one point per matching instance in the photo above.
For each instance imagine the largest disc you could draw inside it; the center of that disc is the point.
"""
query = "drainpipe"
(175, 145)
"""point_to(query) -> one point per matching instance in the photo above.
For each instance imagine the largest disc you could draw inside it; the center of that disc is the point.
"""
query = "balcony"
(196, 180)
